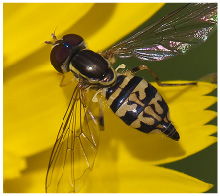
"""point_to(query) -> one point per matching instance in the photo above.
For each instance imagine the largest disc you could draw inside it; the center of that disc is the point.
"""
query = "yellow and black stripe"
(140, 105)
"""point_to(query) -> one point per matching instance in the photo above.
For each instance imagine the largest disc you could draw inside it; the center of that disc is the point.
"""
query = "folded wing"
(76, 145)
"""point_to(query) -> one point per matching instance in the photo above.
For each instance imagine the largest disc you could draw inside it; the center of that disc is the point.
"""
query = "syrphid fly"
(130, 97)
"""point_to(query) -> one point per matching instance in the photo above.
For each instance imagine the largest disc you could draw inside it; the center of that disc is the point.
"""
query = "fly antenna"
(54, 37)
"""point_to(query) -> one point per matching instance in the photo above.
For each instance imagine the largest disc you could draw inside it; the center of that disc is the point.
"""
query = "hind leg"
(156, 78)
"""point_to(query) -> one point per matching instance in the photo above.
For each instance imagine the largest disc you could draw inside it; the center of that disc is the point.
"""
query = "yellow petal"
(158, 180)
(13, 165)
(118, 171)
(113, 174)
(135, 176)
(130, 180)
(30, 183)
(28, 25)
(34, 105)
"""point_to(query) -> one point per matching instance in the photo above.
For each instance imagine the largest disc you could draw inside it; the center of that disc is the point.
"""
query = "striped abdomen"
(140, 105)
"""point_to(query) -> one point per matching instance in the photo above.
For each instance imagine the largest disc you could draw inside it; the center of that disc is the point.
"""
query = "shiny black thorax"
(70, 54)
(90, 64)
(92, 67)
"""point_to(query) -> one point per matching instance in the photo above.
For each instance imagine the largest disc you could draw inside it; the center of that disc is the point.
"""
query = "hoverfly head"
(64, 49)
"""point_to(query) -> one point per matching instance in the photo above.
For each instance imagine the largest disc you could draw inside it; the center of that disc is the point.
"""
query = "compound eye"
(58, 55)
(72, 39)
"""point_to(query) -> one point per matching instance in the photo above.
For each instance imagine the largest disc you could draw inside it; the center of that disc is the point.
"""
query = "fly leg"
(67, 78)
(99, 117)
(124, 71)
(156, 78)
(95, 97)
(63, 81)
(122, 66)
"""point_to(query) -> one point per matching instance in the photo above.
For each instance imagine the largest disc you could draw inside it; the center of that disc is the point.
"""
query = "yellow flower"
(34, 104)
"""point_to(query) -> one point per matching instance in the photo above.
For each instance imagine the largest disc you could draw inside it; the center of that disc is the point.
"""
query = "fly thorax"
(92, 67)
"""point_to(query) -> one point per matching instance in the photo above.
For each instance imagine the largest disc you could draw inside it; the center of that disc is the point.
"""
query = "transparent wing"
(173, 35)
(76, 145)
